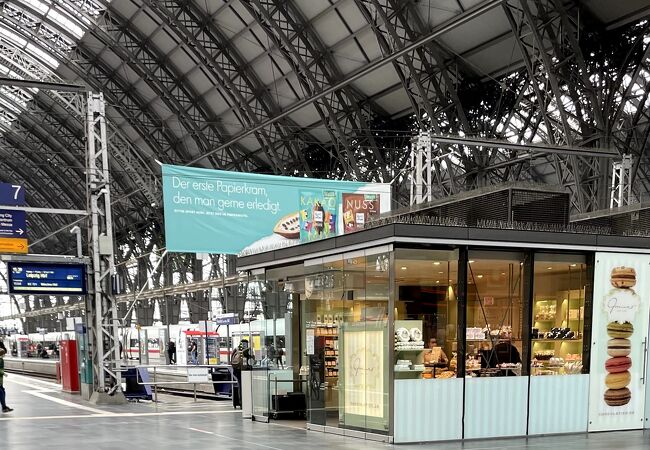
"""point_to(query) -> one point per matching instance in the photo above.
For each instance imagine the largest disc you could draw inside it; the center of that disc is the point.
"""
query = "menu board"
(619, 330)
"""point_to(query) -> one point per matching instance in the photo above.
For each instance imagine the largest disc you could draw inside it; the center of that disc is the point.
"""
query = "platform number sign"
(11, 194)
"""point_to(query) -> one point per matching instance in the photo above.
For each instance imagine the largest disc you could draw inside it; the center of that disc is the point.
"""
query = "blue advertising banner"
(12, 224)
(41, 278)
(214, 211)
(12, 194)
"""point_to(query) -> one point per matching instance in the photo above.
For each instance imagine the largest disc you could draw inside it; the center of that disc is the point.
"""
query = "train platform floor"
(45, 417)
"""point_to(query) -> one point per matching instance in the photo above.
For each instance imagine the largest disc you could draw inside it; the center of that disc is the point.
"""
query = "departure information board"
(43, 278)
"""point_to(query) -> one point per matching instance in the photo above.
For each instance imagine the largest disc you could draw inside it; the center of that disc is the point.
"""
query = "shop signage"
(213, 211)
(619, 336)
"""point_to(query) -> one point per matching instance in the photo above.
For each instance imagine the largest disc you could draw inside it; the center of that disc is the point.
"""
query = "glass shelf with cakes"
(558, 318)
(409, 349)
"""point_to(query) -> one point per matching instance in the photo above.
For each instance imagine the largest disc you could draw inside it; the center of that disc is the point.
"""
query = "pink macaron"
(618, 364)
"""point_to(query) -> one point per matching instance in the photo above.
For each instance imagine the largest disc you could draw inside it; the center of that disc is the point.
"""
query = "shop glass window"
(426, 313)
(345, 325)
(558, 314)
(495, 318)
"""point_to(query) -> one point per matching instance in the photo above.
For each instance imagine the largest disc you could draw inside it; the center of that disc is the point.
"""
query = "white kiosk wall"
(646, 373)
(618, 387)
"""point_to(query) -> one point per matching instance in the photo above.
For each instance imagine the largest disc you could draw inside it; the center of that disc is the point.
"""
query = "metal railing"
(155, 383)
(272, 378)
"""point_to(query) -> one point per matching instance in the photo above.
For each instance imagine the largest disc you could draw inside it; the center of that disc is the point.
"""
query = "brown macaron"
(617, 397)
(623, 277)
(618, 347)
(618, 380)
(620, 330)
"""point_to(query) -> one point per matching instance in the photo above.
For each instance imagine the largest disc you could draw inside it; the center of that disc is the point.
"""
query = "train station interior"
(354, 224)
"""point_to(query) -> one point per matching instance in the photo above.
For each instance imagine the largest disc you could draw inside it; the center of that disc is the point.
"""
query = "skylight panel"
(40, 6)
(65, 23)
(46, 57)
(13, 38)
(9, 106)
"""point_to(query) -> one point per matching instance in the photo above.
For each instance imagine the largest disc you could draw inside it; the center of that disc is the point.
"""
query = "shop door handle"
(645, 360)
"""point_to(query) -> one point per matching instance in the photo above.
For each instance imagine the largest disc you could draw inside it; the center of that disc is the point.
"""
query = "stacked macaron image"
(619, 346)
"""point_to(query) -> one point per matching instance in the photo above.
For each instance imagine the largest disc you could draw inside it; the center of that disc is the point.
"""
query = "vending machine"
(84, 361)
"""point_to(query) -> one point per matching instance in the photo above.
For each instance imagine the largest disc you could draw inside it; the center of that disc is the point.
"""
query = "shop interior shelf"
(409, 371)
(557, 340)
(397, 349)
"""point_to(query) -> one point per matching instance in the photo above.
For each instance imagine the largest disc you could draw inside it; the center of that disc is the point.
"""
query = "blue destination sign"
(12, 194)
(41, 278)
(12, 224)
(226, 319)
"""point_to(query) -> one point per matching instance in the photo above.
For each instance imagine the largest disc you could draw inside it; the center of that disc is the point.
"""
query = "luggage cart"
(289, 405)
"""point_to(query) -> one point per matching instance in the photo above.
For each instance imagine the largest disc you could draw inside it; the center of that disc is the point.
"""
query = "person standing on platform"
(236, 360)
(194, 353)
(171, 352)
(3, 395)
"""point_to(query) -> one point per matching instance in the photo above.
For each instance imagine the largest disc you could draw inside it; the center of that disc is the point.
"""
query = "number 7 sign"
(11, 194)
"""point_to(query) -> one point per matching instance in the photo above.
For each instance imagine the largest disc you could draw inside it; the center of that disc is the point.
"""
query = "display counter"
(495, 407)
(558, 404)
(428, 410)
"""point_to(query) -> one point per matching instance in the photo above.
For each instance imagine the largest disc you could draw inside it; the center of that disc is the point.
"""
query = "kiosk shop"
(409, 333)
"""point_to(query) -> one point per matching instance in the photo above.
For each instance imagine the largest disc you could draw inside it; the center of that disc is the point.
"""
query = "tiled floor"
(44, 417)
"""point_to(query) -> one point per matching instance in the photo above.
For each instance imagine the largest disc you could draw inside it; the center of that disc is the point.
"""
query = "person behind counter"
(435, 355)
(502, 353)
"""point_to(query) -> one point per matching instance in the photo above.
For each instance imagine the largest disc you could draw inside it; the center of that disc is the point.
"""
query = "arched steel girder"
(51, 169)
(170, 86)
(71, 147)
(63, 124)
(414, 71)
(218, 56)
(57, 131)
(19, 60)
(231, 94)
(281, 22)
(57, 42)
(538, 64)
(145, 130)
(38, 185)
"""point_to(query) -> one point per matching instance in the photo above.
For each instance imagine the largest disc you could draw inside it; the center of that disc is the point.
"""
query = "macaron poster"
(216, 211)
(619, 328)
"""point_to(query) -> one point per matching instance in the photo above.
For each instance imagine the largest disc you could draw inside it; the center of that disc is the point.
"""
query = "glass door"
(363, 344)
(345, 332)
(495, 345)
(322, 314)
